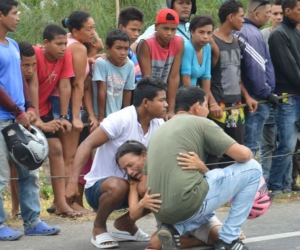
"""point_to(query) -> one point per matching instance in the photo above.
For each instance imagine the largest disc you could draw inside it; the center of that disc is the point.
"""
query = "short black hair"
(6, 6)
(227, 8)
(200, 21)
(26, 49)
(114, 35)
(277, 2)
(75, 20)
(130, 14)
(187, 96)
(148, 88)
(52, 30)
(288, 4)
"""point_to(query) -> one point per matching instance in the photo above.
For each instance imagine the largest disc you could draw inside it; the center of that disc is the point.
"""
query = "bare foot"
(75, 206)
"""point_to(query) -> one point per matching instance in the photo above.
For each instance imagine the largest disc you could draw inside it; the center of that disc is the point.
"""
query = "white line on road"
(272, 237)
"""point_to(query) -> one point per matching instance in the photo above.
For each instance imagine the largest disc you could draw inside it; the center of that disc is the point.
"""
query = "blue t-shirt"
(137, 69)
(11, 76)
(117, 79)
(190, 66)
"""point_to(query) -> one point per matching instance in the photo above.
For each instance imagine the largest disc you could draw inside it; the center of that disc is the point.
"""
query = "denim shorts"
(55, 102)
(93, 194)
(48, 118)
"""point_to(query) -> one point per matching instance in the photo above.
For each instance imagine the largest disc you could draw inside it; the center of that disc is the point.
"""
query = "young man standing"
(16, 106)
(54, 67)
(287, 71)
(257, 71)
(199, 191)
(268, 143)
(106, 184)
(131, 21)
(160, 54)
(226, 89)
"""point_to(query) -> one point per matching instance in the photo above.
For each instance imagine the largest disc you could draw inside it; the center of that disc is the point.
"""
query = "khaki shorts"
(201, 233)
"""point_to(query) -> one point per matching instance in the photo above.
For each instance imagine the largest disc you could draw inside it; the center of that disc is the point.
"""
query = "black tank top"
(225, 77)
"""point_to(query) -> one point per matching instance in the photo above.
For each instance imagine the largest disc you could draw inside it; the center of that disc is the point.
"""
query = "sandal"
(7, 234)
(70, 214)
(104, 238)
(42, 229)
(169, 237)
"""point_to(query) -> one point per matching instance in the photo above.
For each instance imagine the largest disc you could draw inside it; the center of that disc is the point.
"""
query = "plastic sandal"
(42, 229)
(7, 234)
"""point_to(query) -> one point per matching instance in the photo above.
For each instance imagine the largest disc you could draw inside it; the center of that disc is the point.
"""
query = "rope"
(209, 164)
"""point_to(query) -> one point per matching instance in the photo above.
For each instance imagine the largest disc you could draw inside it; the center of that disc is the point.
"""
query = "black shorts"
(47, 118)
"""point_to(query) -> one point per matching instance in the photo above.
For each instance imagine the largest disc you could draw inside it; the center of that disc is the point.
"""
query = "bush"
(36, 14)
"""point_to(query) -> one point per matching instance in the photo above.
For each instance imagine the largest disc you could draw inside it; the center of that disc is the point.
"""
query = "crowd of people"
(156, 120)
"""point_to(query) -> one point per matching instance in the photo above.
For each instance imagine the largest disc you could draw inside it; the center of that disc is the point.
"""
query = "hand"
(191, 161)
(51, 127)
(71, 191)
(252, 104)
(66, 126)
(150, 201)
(25, 121)
(216, 110)
(169, 115)
(93, 122)
(273, 99)
(32, 117)
(77, 124)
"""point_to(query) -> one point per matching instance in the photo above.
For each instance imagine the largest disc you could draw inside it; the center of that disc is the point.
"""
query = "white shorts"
(201, 233)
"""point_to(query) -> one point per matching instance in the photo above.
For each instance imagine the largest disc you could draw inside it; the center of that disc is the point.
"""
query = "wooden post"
(117, 11)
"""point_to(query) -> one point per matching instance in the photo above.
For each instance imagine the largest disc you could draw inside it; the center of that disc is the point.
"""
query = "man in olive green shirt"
(189, 198)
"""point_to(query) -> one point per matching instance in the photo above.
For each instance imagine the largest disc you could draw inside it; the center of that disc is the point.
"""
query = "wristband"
(17, 112)
(212, 104)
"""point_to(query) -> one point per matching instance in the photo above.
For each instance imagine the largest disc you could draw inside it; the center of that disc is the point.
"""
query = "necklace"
(50, 76)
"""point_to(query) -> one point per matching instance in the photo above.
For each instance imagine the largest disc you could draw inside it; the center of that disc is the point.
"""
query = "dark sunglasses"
(262, 4)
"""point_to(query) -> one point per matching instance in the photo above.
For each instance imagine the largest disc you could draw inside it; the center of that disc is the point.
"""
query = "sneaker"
(235, 245)
(169, 237)
(295, 188)
(275, 192)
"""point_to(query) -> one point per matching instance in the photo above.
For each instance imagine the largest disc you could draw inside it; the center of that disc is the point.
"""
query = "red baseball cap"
(167, 16)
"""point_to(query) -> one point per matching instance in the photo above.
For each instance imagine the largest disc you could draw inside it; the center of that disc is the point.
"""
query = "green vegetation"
(36, 14)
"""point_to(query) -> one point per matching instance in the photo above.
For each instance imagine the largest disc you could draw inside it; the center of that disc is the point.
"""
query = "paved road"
(278, 229)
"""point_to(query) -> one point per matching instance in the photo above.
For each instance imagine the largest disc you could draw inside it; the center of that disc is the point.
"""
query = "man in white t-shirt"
(106, 184)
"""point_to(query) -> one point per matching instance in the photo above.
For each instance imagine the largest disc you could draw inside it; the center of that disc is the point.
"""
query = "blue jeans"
(28, 186)
(268, 144)
(254, 126)
(55, 102)
(239, 181)
(287, 121)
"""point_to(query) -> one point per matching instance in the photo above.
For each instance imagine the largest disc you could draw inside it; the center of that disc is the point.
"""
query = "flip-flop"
(42, 229)
(104, 238)
(124, 236)
(51, 210)
(169, 237)
(69, 214)
(7, 234)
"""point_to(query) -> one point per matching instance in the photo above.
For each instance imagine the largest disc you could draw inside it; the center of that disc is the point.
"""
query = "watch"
(64, 117)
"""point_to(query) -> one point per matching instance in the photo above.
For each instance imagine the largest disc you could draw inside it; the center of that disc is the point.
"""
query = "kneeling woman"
(131, 157)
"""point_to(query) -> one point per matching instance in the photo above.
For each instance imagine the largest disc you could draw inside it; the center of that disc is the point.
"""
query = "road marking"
(272, 237)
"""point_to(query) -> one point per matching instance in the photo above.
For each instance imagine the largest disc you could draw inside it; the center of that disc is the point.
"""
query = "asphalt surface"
(278, 229)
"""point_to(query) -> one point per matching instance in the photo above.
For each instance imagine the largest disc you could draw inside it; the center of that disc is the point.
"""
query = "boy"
(131, 20)
(16, 106)
(106, 184)
(54, 66)
(114, 76)
(160, 54)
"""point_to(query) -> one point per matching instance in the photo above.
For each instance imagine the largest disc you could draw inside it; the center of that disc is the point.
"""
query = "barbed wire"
(208, 164)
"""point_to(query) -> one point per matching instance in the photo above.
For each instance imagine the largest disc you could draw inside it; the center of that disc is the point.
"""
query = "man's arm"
(94, 140)
(144, 58)
(251, 103)
(173, 81)
(101, 100)
(64, 98)
(126, 97)
(239, 153)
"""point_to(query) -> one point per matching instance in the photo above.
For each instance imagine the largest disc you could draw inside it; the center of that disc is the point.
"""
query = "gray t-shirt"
(266, 34)
(182, 191)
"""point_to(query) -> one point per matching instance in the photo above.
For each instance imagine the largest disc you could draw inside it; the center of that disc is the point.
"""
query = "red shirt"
(49, 74)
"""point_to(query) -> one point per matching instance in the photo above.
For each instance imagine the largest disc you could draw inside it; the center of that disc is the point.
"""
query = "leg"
(246, 178)
(254, 126)
(286, 121)
(14, 191)
(58, 184)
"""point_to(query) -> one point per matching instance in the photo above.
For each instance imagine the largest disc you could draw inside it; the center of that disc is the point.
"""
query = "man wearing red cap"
(160, 54)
